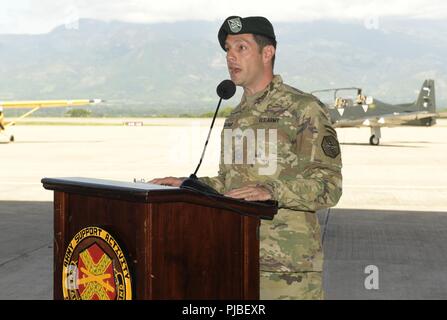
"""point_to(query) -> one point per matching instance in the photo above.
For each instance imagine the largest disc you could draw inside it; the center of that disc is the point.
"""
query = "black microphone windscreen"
(226, 89)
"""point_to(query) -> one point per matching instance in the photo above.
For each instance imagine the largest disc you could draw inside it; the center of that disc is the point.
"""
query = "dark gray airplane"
(357, 110)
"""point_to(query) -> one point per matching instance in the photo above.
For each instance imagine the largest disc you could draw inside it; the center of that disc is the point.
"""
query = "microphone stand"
(225, 90)
(193, 176)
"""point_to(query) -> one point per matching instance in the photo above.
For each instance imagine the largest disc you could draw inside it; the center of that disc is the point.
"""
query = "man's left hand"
(250, 193)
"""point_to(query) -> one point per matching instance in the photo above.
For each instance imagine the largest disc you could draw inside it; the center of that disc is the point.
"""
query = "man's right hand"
(167, 181)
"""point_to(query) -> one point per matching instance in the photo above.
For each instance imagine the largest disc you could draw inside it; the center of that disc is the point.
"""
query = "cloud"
(27, 16)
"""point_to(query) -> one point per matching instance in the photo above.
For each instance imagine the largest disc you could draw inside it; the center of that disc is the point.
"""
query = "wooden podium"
(178, 244)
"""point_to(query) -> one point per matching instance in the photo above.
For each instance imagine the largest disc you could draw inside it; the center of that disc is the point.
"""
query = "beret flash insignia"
(235, 25)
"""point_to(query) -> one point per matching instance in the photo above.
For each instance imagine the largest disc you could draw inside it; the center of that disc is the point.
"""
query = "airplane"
(34, 106)
(366, 111)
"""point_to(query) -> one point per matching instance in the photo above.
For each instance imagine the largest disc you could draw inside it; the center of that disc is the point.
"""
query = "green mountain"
(173, 68)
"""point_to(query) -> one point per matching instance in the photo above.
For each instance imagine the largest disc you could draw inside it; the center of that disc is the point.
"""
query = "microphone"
(225, 90)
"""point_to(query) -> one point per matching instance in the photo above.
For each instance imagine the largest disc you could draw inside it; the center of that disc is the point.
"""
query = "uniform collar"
(260, 96)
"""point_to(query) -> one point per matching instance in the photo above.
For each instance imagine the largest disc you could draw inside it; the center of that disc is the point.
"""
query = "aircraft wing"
(35, 105)
(386, 120)
(47, 103)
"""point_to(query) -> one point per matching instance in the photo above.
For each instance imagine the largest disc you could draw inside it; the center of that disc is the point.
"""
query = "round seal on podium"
(95, 268)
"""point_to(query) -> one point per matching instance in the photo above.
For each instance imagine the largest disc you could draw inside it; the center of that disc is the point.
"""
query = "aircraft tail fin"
(426, 100)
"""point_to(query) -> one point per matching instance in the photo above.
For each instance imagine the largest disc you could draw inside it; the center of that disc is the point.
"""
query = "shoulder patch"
(330, 146)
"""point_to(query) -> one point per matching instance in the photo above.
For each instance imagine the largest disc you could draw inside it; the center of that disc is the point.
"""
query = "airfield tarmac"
(393, 212)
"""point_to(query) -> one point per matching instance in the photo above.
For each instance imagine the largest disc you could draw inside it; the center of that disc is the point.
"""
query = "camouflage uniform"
(307, 177)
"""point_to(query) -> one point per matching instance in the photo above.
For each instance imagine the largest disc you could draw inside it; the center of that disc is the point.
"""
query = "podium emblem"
(95, 268)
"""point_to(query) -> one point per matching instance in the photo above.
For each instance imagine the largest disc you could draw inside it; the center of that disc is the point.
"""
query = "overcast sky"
(40, 16)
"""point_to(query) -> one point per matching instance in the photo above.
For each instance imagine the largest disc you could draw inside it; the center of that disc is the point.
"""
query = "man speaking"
(302, 170)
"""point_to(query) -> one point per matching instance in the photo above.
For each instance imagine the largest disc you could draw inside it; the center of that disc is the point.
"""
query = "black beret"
(238, 25)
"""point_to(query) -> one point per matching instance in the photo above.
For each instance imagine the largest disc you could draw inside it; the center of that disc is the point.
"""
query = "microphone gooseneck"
(225, 90)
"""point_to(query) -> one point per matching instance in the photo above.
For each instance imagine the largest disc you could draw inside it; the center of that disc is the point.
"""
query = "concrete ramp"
(408, 248)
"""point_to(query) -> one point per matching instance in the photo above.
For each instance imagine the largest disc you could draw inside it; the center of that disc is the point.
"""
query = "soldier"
(302, 170)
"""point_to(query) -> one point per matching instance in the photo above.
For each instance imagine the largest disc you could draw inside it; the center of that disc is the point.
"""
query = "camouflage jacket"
(282, 139)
